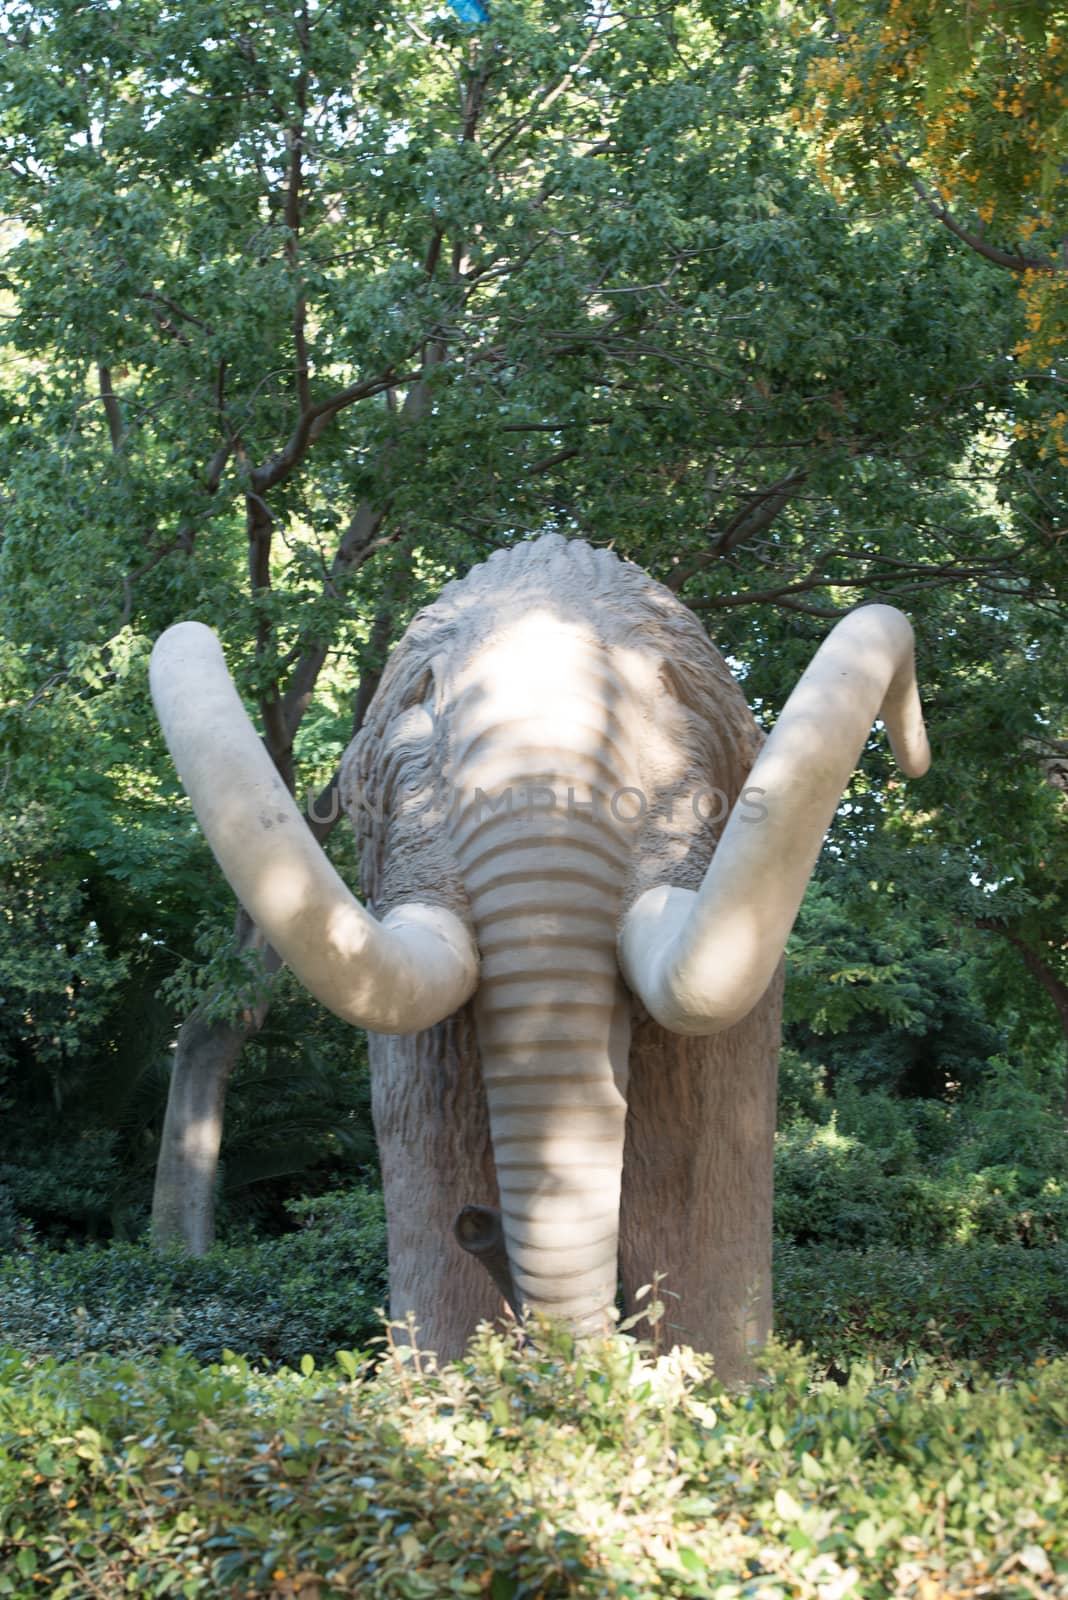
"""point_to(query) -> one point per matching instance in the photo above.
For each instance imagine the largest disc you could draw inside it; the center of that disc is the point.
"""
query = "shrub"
(13, 1230)
(540, 1471)
(802, 1090)
(998, 1305)
(917, 1174)
(316, 1289)
(828, 1187)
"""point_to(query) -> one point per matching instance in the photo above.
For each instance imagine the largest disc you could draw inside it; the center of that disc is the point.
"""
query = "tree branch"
(1051, 982)
(112, 409)
(360, 538)
(524, 124)
(311, 423)
(355, 545)
(553, 427)
(217, 466)
(324, 810)
(155, 298)
(295, 141)
(752, 519)
(546, 463)
(353, 550)
(260, 526)
(918, 577)
(1012, 261)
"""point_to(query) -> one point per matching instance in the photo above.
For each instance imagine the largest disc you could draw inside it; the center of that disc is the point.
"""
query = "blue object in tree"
(470, 11)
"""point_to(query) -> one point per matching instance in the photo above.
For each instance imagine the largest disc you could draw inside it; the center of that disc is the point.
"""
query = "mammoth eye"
(415, 720)
(420, 691)
(423, 691)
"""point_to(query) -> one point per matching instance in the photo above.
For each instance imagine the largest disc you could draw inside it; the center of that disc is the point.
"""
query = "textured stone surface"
(567, 679)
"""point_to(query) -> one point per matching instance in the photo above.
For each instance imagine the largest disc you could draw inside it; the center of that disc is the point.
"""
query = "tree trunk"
(183, 1204)
(183, 1200)
(1044, 974)
(1057, 990)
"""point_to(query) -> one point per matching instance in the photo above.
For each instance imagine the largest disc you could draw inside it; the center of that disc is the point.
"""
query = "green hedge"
(315, 1289)
(1001, 1305)
(886, 1183)
(523, 1473)
(319, 1289)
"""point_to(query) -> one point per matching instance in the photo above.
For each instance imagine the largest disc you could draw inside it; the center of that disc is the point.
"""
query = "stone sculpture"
(583, 862)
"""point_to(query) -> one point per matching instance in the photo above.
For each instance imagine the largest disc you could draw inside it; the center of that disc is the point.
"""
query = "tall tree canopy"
(966, 109)
(308, 306)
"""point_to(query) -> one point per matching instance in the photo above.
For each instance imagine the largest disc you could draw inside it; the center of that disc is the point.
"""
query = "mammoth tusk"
(407, 972)
(701, 961)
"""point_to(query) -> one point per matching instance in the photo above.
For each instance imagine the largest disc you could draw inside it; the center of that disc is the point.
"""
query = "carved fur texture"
(553, 736)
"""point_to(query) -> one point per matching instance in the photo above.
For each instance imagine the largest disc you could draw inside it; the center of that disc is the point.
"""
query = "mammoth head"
(553, 686)
(549, 793)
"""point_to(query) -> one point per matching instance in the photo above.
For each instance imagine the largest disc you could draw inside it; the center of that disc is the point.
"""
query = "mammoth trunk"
(543, 861)
(554, 1050)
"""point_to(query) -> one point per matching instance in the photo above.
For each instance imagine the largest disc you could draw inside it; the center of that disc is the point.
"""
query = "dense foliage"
(964, 108)
(276, 1299)
(530, 1471)
(313, 1291)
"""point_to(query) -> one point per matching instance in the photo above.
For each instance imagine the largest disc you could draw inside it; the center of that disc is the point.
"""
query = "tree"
(965, 110)
(312, 308)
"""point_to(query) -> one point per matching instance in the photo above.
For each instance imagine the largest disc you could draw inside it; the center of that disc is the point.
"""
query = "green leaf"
(786, 1506)
(868, 1535)
(1035, 1560)
(499, 1411)
(347, 1362)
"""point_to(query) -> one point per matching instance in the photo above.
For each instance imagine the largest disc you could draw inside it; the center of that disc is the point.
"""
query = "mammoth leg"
(434, 1148)
(698, 1182)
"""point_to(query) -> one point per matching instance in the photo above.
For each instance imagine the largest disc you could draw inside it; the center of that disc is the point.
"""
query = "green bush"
(828, 1187)
(916, 1174)
(1000, 1305)
(802, 1089)
(12, 1227)
(539, 1471)
(316, 1289)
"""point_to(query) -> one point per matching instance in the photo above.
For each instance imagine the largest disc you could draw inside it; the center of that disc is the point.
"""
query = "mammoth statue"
(583, 862)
